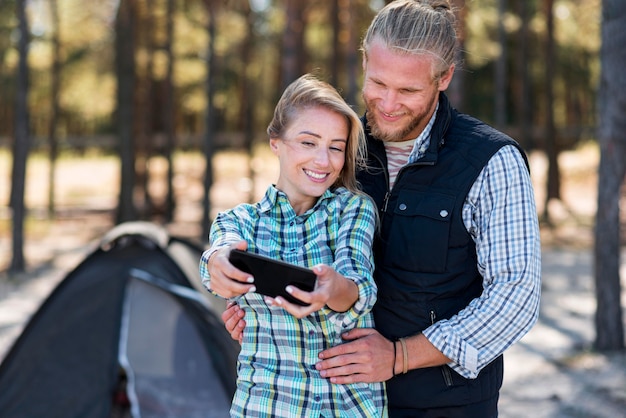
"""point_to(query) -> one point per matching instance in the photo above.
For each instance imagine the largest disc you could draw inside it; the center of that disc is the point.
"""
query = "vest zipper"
(385, 201)
(445, 370)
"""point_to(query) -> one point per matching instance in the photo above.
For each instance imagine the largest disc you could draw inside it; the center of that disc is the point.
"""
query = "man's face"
(399, 92)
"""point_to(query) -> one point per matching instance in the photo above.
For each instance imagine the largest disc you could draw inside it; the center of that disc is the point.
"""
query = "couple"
(452, 230)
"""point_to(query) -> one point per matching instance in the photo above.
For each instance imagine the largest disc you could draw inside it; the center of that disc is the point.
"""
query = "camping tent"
(128, 332)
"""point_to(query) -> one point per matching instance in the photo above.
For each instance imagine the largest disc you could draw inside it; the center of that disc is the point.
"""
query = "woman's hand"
(331, 289)
(227, 280)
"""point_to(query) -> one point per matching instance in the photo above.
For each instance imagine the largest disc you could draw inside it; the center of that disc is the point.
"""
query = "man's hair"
(309, 92)
(416, 27)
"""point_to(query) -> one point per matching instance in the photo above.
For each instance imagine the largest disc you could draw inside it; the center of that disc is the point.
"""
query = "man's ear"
(446, 78)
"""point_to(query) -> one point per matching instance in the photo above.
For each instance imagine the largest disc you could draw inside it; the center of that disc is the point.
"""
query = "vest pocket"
(419, 232)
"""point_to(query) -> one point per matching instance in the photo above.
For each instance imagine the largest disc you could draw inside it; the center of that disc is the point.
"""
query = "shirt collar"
(274, 197)
(423, 140)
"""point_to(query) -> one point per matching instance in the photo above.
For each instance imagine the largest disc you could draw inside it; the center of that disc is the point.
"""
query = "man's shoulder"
(476, 140)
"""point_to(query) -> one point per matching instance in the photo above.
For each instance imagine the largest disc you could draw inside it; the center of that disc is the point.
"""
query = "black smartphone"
(271, 277)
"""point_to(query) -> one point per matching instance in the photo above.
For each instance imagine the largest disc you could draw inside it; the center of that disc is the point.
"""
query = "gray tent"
(128, 332)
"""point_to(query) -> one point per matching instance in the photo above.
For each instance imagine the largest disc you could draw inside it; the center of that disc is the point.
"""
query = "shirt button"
(311, 333)
(317, 398)
(443, 213)
(402, 206)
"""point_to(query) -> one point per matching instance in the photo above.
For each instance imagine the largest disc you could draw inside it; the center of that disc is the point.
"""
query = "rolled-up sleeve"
(354, 259)
(501, 216)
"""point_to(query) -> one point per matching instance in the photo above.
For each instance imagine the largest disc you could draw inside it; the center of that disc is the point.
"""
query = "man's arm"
(503, 222)
(511, 269)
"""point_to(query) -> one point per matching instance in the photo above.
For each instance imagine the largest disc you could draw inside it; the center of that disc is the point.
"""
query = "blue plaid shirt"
(276, 367)
(500, 214)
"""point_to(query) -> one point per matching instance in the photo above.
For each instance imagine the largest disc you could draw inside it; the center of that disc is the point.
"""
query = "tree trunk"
(54, 108)
(501, 70)
(335, 60)
(146, 118)
(523, 86)
(553, 186)
(208, 143)
(246, 95)
(125, 69)
(168, 111)
(293, 56)
(612, 170)
(353, 64)
(456, 90)
(22, 142)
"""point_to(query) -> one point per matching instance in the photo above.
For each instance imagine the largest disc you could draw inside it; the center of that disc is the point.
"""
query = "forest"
(144, 78)
(527, 66)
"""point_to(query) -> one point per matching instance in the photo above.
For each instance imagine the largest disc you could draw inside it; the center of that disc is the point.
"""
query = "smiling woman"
(315, 217)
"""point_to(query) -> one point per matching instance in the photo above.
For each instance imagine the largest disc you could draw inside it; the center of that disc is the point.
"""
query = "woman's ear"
(274, 145)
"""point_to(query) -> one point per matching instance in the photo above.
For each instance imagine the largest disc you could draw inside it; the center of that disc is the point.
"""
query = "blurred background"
(121, 110)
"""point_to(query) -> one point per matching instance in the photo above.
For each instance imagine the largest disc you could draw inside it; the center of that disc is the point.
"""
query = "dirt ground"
(551, 372)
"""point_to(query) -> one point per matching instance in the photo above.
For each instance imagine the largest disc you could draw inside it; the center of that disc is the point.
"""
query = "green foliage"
(88, 83)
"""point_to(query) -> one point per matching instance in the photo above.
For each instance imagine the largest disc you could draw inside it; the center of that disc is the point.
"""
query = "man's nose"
(389, 102)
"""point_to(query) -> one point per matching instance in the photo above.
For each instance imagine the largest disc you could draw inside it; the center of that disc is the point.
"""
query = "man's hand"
(233, 321)
(367, 357)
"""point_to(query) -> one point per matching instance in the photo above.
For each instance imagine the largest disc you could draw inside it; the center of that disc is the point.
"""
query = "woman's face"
(311, 154)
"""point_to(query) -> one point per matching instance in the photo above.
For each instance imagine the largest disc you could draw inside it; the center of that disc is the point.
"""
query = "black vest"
(426, 267)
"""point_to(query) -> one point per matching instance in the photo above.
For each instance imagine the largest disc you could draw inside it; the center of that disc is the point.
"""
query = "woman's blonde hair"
(417, 27)
(309, 92)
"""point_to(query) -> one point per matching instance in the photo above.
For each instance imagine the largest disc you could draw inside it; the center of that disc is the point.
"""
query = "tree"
(456, 90)
(146, 120)
(21, 143)
(54, 106)
(246, 94)
(521, 78)
(208, 146)
(553, 186)
(293, 51)
(168, 109)
(125, 69)
(612, 137)
(500, 77)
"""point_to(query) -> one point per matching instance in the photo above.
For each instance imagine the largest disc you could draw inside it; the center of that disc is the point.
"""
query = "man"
(458, 254)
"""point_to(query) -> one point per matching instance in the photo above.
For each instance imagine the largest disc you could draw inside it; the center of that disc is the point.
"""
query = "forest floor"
(552, 372)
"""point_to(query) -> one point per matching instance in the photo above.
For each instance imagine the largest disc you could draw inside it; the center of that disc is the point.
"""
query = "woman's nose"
(322, 157)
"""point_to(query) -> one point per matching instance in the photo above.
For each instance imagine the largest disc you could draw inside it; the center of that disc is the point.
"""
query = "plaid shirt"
(500, 214)
(276, 367)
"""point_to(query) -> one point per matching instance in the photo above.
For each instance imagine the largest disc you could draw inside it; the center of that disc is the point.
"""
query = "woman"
(315, 217)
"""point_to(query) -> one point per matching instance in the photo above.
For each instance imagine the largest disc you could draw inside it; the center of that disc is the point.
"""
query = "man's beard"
(398, 135)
